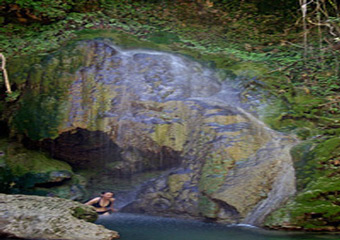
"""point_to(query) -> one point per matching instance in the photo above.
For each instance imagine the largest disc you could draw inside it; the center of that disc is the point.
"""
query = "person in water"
(103, 204)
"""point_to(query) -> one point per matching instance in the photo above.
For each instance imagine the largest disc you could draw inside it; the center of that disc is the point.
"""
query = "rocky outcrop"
(131, 111)
(34, 172)
(231, 181)
(34, 217)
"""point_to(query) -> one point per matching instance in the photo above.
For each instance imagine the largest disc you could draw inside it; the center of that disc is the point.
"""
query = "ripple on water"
(140, 227)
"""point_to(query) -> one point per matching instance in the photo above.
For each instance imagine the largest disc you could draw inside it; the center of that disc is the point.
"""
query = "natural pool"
(140, 227)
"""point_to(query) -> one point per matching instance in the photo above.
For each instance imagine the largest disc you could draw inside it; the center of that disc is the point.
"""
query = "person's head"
(107, 195)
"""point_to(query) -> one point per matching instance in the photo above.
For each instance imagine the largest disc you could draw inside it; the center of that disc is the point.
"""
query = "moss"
(171, 135)
(227, 62)
(316, 206)
(120, 38)
(316, 159)
(39, 116)
(42, 106)
(19, 68)
(22, 161)
(293, 113)
(249, 69)
(279, 217)
(85, 214)
(328, 149)
(32, 172)
(163, 37)
(207, 207)
(214, 173)
(176, 182)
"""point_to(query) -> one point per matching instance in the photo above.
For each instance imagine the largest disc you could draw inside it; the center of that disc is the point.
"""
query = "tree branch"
(3, 68)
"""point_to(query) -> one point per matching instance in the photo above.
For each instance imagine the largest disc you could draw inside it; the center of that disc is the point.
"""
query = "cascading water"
(283, 186)
(160, 111)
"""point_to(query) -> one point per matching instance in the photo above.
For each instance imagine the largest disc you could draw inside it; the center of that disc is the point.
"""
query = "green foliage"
(163, 37)
(12, 96)
(316, 206)
(314, 159)
(45, 10)
(6, 179)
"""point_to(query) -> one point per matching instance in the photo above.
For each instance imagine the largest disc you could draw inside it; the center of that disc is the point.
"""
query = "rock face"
(131, 111)
(33, 172)
(34, 217)
(243, 187)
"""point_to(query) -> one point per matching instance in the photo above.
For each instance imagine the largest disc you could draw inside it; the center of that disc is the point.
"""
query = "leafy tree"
(46, 11)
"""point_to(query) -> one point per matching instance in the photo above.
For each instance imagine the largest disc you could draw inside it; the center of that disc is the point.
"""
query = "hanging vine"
(4, 73)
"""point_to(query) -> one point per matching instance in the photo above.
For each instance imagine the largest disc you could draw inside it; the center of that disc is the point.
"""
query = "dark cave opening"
(83, 149)
(95, 150)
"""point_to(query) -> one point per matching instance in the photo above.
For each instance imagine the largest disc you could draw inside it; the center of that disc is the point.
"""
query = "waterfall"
(165, 112)
(284, 185)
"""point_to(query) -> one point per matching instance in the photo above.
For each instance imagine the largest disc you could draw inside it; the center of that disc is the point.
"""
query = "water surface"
(140, 227)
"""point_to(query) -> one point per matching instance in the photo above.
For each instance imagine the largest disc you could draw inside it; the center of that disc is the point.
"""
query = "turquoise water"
(140, 227)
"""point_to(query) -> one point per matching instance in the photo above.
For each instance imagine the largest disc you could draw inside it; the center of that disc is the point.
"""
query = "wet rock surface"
(34, 217)
(159, 111)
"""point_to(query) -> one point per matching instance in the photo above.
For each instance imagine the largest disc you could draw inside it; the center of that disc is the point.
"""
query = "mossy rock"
(22, 161)
(316, 158)
(249, 69)
(42, 104)
(208, 208)
(163, 37)
(229, 64)
(316, 206)
(84, 214)
(33, 172)
(297, 114)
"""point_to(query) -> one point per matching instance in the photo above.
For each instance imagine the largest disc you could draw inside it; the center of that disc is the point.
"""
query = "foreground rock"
(35, 217)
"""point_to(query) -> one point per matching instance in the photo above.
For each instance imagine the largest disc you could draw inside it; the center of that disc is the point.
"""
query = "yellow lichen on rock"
(176, 181)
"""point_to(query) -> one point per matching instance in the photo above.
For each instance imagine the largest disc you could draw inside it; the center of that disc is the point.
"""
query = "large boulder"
(35, 217)
(235, 170)
(129, 111)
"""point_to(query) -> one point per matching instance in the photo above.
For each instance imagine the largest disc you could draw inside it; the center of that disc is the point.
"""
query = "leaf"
(89, 25)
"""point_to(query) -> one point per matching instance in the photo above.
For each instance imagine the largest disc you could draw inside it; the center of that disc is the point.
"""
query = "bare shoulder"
(94, 200)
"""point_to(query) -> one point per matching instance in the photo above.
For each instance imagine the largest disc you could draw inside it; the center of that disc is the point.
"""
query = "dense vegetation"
(301, 46)
(288, 47)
